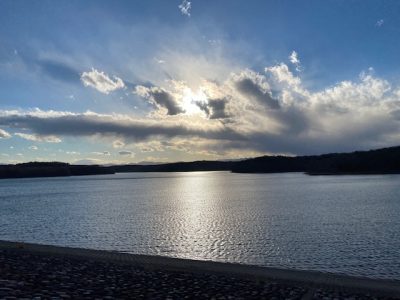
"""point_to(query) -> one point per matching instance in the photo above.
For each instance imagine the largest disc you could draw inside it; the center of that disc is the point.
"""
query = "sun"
(191, 100)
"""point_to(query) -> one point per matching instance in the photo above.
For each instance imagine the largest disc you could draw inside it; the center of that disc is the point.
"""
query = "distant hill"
(178, 167)
(381, 161)
(50, 169)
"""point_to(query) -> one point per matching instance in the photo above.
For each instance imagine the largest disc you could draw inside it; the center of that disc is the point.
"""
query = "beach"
(44, 272)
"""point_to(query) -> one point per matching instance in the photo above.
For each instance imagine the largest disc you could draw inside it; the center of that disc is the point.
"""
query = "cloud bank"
(47, 125)
(248, 112)
(39, 137)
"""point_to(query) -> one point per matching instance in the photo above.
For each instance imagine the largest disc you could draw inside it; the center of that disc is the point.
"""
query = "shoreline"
(371, 162)
(309, 280)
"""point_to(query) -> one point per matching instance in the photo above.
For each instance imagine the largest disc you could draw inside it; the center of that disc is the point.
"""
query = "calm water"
(341, 224)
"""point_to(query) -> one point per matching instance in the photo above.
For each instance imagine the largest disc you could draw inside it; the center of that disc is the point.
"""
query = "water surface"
(340, 224)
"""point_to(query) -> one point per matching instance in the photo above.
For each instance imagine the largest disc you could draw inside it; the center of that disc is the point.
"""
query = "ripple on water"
(334, 224)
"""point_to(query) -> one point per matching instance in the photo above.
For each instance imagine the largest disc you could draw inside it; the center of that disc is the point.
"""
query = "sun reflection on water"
(197, 212)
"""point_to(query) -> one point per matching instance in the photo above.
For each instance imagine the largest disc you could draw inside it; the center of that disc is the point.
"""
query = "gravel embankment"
(25, 274)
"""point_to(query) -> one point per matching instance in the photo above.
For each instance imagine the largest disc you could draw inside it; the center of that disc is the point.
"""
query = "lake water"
(339, 224)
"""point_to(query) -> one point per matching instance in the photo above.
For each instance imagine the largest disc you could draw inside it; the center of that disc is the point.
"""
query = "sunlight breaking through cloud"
(249, 111)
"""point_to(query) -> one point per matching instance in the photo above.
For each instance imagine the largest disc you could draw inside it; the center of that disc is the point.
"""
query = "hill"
(50, 169)
(380, 161)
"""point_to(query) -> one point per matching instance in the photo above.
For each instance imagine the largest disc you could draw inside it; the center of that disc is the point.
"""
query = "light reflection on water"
(342, 224)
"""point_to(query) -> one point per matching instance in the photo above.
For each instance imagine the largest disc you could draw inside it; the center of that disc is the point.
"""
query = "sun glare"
(190, 101)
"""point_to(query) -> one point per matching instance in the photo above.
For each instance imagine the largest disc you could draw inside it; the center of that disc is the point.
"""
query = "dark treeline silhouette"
(178, 167)
(50, 169)
(381, 161)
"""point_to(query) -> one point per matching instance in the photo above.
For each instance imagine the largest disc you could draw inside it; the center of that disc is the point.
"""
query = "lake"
(338, 224)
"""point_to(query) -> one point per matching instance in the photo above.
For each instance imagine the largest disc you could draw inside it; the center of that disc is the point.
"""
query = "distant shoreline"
(373, 162)
(304, 279)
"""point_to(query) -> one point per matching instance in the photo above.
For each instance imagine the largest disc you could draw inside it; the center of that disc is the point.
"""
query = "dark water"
(340, 224)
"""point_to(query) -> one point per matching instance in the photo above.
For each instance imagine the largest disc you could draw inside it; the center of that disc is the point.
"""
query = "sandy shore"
(41, 271)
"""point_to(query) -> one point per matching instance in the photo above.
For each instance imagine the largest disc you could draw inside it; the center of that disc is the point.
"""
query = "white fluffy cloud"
(4, 134)
(101, 81)
(294, 59)
(185, 7)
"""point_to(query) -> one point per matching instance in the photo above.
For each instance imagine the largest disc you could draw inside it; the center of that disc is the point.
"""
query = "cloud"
(105, 153)
(101, 81)
(286, 85)
(118, 144)
(379, 23)
(159, 61)
(38, 138)
(33, 148)
(254, 85)
(72, 153)
(294, 59)
(248, 113)
(214, 108)
(151, 146)
(47, 125)
(185, 7)
(4, 134)
(160, 98)
(126, 153)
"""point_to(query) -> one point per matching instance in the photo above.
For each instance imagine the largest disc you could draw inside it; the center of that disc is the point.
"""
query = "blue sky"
(132, 81)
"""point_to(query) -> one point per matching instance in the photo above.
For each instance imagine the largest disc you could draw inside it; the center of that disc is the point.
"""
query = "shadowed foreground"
(29, 271)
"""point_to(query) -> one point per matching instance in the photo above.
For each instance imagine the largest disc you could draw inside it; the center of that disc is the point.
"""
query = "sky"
(110, 82)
